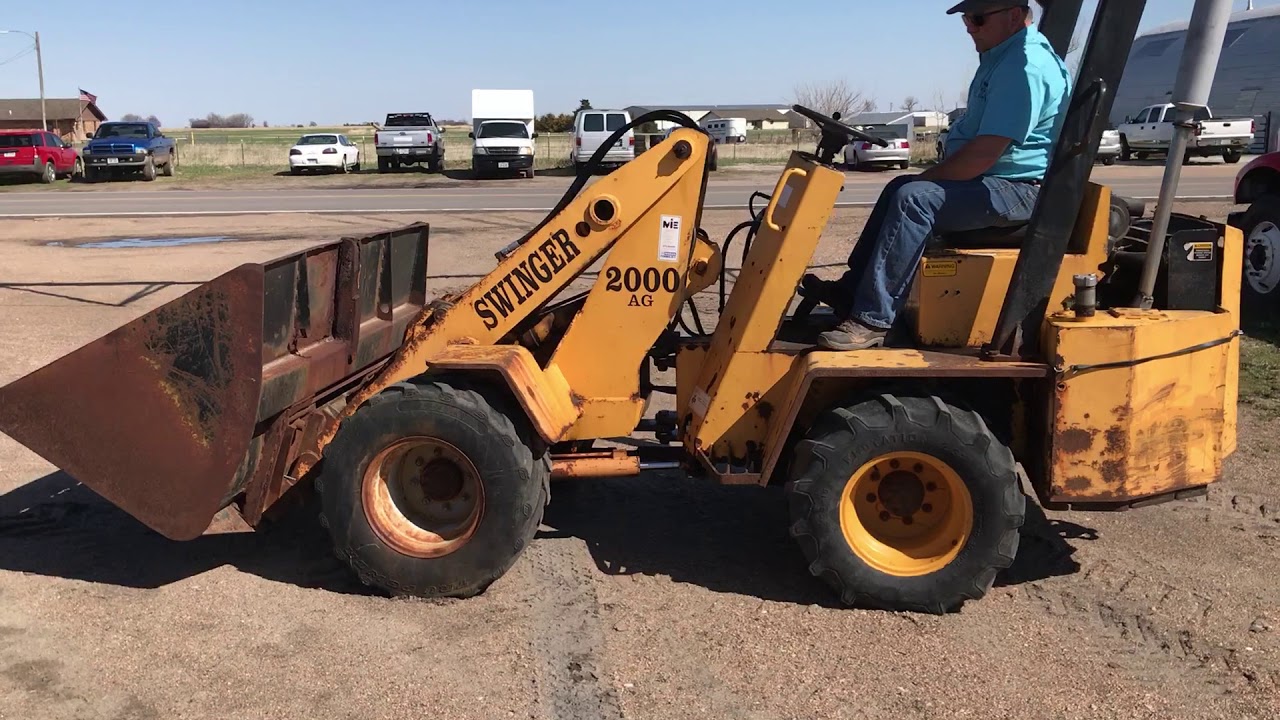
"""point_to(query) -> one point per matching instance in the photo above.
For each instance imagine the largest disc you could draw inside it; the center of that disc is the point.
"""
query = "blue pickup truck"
(129, 147)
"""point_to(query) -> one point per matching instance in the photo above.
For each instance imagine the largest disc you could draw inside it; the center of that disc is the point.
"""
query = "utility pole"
(44, 120)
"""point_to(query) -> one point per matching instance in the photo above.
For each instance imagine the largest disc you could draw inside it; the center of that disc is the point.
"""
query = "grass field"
(1260, 368)
(269, 147)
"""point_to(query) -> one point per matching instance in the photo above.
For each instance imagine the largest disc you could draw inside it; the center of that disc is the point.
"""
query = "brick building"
(71, 118)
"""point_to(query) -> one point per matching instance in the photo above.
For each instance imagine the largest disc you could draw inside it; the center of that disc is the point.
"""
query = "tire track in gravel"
(1162, 620)
(572, 682)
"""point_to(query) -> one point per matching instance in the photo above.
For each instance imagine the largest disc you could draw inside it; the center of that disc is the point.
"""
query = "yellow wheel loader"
(1093, 352)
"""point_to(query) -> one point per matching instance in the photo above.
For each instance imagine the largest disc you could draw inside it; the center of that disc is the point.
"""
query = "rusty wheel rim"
(906, 514)
(423, 497)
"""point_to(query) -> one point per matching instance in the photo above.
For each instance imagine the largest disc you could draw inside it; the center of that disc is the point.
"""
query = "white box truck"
(502, 132)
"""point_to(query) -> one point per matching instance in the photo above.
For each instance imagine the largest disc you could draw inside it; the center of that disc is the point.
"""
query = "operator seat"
(1124, 211)
(992, 238)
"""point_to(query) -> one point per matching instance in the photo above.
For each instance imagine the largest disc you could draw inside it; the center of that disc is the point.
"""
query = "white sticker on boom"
(669, 239)
(700, 402)
(784, 197)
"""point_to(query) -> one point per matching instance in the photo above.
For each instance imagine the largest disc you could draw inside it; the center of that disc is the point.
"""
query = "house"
(758, 117)
(923, 120)
(71, 118)
(1245, 84)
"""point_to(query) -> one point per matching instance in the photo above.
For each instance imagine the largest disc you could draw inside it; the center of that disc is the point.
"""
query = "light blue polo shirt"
(1021, 92)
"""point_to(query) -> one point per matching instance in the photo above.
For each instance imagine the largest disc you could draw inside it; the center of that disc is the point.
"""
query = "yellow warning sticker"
(941, 268)
(1199, 251)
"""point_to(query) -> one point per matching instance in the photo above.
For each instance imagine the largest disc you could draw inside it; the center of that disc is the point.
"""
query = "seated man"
(996, 157)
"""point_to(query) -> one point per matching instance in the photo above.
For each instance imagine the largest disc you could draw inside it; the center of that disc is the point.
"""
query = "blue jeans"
(884, 260)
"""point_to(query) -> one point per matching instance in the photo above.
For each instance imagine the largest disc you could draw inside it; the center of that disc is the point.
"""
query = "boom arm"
(644, 217)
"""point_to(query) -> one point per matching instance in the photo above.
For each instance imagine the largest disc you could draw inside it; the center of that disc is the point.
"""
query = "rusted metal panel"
(265, 485)
(1139, 410)
(171, 416)
(157, 415)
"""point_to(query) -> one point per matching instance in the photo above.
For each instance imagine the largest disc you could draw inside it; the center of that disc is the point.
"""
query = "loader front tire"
(905, 504)
(430, 491)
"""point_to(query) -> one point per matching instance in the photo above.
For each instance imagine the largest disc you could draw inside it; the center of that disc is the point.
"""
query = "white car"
(859, 155)
(330, 151)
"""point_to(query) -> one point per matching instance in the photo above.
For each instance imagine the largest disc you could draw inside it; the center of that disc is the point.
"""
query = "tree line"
(214, 120)
(134, 117)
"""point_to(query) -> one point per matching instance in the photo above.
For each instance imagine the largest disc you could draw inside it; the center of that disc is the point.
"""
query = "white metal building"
(1247, 83)
(758, 117)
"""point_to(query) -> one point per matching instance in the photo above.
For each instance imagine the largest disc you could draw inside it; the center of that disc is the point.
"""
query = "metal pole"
(1058, 23)
(1205, 37)
(44, 119)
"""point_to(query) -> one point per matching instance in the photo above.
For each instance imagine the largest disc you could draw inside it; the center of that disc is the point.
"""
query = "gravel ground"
(658, 596)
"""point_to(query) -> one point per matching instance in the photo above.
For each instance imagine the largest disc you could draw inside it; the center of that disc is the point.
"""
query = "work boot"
(852, 335)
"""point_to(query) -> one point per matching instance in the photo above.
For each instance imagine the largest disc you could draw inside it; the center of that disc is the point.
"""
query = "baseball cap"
(980, 6)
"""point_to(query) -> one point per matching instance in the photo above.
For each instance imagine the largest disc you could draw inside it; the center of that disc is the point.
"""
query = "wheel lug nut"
(918, 468)
(907, 520)
(871, 497)
(894, 464)
(927, 507)
(419, 462)
(931, 487)
(884, 516)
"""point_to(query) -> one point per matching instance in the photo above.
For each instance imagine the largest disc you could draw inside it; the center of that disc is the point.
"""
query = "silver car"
(859, 154)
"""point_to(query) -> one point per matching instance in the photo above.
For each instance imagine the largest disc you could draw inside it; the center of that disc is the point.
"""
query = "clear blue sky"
(333, 62)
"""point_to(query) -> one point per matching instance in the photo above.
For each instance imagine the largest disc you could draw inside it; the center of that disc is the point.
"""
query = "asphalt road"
(1207, 181)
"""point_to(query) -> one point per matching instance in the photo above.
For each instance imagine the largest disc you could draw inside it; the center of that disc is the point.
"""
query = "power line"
(19, 56)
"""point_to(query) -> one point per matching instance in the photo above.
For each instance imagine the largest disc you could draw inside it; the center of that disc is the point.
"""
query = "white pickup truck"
(409, 139)
(1151, 132)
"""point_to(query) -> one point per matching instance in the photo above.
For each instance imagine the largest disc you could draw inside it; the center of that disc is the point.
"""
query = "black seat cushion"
(998, 238)
(986, 238)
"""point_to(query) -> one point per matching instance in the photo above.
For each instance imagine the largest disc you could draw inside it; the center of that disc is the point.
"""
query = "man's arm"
(975, 158)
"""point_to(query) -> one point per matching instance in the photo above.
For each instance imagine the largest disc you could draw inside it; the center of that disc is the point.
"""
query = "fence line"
(268, 149)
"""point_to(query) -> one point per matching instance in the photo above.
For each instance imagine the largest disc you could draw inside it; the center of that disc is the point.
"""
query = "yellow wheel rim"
(906, 514)
(423, 497)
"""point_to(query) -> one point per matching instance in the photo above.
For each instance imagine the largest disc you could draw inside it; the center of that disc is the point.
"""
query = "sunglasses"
(980, 19)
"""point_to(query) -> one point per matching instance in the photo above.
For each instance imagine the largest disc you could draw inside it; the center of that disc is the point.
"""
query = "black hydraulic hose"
(597, 158)
(746, 245)
(724, 256)
(697, 319)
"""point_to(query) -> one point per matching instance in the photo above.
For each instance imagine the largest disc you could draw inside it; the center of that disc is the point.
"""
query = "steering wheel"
(835, 134)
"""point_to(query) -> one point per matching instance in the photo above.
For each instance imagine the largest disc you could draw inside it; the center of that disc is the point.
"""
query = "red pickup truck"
(39, 154)
(1258, 186)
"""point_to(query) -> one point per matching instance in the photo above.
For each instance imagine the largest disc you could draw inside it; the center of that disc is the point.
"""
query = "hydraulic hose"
(597, 158)
(724, 254)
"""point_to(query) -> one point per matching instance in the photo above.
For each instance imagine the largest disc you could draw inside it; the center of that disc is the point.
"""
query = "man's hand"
(974, 158)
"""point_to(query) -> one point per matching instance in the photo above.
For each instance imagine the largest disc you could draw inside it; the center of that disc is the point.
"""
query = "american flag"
(88, 97)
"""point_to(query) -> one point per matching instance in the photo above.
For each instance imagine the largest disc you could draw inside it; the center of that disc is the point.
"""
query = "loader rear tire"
(905, 503)
(451, 532)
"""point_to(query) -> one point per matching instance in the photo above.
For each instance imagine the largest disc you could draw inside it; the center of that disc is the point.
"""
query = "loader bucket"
(167, 417)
